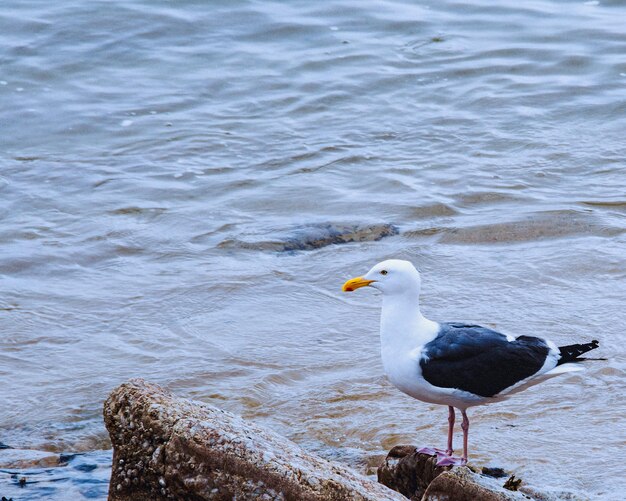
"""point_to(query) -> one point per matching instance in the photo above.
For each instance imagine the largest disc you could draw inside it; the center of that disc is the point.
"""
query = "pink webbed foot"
(432, 451)
(444, 460)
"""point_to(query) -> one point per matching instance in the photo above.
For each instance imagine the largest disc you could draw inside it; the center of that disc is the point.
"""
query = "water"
(78, 476)
(139, 138)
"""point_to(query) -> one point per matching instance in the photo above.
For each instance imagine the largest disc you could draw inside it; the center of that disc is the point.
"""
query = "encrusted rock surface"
(170, 448)
(408, 472)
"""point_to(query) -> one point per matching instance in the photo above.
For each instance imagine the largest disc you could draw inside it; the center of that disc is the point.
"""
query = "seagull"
(455, 364)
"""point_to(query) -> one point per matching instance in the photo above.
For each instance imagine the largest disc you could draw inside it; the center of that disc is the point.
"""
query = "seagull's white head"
(391, 277)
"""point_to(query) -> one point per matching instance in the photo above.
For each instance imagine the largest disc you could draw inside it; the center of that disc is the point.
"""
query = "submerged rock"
(536, 227)
(540, 226)
(314, 236)
(170, 448)
(11, 458)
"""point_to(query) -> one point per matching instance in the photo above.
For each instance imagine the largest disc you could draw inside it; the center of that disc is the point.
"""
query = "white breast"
(404, 372)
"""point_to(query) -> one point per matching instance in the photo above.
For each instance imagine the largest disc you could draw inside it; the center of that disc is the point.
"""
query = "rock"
(170, 448)
(418, 477)
(462, 484)
(495, 472)
(512, 483)
(314, 236)
(19, 459)
(406, 471)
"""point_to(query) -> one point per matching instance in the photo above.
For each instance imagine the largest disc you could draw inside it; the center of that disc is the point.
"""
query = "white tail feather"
(560, 369)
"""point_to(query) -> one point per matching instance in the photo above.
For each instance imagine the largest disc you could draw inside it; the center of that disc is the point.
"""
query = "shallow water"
(139, 138)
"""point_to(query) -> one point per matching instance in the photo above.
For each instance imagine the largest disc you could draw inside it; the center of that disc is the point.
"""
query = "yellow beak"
(355, 283)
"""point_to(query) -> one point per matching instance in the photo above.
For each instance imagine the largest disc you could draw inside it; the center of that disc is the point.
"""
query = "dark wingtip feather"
(573, 352)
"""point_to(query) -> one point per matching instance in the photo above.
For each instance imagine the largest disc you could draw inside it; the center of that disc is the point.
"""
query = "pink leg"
(446, 458)
(449, 450)
(465, 427)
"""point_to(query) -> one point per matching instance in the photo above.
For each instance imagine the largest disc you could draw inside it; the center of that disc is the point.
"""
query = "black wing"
(480, 360)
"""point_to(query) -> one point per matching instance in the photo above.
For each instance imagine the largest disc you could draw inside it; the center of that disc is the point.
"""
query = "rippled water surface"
(139, 140)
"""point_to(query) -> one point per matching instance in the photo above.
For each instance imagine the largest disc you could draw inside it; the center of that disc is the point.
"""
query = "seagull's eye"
(383, 272)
